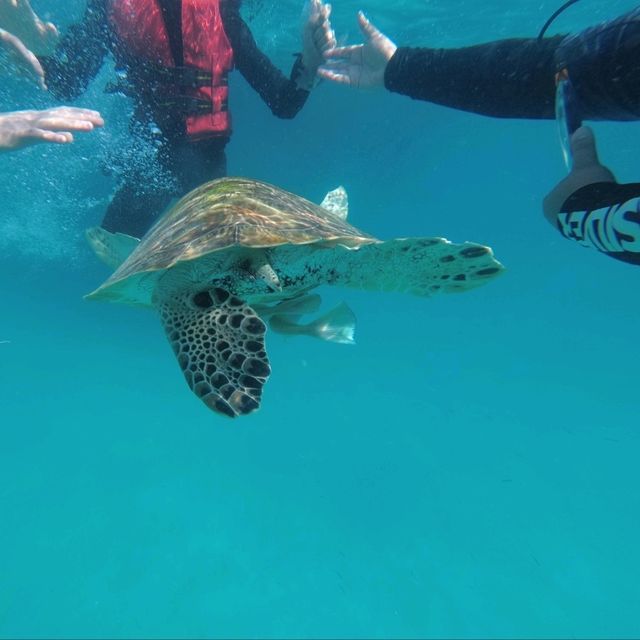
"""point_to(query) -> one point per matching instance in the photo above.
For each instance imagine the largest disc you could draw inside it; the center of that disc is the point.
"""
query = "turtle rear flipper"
(337, 325)
(112, 248)
(337, 203)
(294, 307)
(422, 266)
(219, 343)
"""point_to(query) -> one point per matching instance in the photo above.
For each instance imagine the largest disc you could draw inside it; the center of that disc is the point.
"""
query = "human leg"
(132, 211)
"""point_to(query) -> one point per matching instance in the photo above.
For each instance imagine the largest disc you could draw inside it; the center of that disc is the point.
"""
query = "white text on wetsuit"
(614, 229)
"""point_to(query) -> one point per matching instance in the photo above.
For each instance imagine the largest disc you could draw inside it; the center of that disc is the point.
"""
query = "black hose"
(556, 13)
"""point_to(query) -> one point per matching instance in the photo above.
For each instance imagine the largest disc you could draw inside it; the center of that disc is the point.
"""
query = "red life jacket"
(140, 27)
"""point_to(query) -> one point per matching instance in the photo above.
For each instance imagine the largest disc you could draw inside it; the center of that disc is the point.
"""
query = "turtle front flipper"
(219, 343)
(112, 248)
(421, 266)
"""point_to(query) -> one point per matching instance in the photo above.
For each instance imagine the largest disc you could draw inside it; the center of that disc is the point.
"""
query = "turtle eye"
(202, 300)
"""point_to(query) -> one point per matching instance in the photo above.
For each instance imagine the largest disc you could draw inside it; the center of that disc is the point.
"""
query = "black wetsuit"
(505, 79)
(516, 79)
(78, 59)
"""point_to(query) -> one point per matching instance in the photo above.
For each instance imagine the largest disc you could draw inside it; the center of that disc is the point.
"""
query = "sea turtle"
(236, 252)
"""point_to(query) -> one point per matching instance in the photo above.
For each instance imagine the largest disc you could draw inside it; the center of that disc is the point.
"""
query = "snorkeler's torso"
(181, 70)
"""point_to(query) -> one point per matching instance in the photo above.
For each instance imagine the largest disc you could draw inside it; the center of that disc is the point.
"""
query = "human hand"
(586, 170)
(18, 56)
(17, 17)
(317, 37)
(360, 65)
(20, 129)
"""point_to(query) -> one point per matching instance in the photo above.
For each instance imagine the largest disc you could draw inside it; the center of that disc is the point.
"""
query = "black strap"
(172, 14)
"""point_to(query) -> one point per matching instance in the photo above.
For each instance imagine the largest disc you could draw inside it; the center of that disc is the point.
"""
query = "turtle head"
(257, 269)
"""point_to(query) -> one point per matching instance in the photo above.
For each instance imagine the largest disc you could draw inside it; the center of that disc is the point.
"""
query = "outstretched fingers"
(24, 58)
(323, 37)
(59, 124)
(70, 117)
(19, 18)
(343, 65)
(349, 52)
(368, 30)
(33, 65)
(313, 11)
(321, 32)
(36, 135)
(335, 75)
(328, 34)
(326, 26)
(49, 30)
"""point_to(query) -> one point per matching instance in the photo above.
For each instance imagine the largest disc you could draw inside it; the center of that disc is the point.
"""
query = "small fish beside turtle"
(235, 253)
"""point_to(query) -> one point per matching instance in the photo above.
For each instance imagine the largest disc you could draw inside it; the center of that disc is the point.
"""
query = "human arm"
(20, 129)
(17, 17)
(507, 78)
(282, 95)
(13, 53)
(80, 54)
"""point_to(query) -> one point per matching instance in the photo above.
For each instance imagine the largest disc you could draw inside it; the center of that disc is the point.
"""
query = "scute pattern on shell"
(235, 212)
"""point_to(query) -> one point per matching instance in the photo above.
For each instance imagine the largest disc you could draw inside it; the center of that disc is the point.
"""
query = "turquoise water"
(468, 469)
